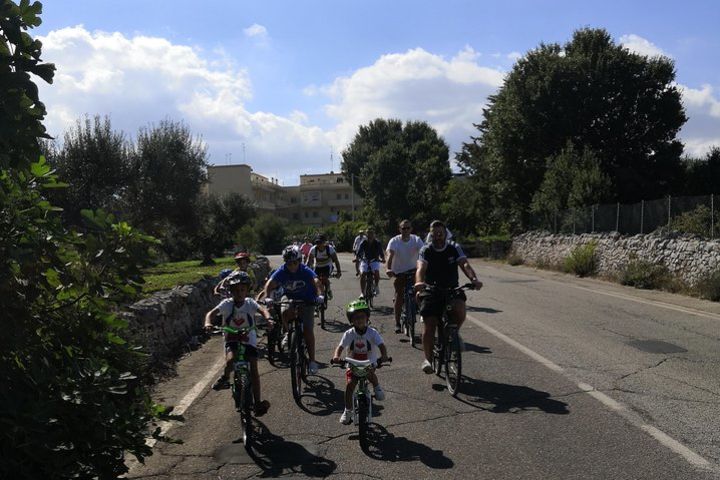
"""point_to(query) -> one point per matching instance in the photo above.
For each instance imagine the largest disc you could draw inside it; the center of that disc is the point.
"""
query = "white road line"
(184, 403)
(663, 438)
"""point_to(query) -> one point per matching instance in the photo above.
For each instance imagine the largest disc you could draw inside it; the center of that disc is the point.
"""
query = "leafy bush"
(515, 260)
(709, 286)
(72, 401)
(582, 261)
(696, 222)
(644, 274)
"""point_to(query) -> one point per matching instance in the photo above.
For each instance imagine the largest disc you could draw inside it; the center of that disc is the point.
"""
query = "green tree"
(96, 158)
(72, 402)
(220, 219)
(625, 107)
(168, 169)
(267, 234)
(400, 170)
(703, 174)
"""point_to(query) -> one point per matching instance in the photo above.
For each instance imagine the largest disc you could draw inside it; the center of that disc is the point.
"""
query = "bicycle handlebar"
(342, 363)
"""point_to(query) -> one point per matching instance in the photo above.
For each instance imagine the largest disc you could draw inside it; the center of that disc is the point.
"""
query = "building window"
(340, 180)
(306, 214)
(315, 214)
(347, 196)
(338, 196)
(296, 216)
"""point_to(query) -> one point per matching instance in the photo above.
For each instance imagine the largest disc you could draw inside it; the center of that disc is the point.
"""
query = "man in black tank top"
(438, 266)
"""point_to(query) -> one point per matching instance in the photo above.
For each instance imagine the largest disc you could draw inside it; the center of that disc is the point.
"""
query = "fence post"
(642, 215)
(592, 210)
(617, 218)
(712, 215)
(573, 215)
(669, 200)
(555, 230)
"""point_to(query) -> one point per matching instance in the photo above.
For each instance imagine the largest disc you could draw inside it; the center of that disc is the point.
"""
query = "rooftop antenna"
(331, 159)
(244, 161)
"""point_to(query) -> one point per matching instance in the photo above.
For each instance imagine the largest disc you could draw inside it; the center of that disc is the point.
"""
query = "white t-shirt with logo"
(239, 316)
(362, 347)
(406, 253)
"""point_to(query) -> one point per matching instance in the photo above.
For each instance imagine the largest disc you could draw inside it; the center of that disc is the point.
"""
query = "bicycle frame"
(298, 350)
(368, 291)
(409, 308)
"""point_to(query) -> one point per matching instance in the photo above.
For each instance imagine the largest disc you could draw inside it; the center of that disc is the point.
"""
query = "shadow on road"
(320, 397)
(382, 445)
(279, 457)
(504, 398)
(382, 310)
(483, 310)
(469, 347)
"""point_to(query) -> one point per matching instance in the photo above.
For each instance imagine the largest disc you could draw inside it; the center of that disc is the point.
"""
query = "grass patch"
(582, 260)
(644, 274)
(168, 275)
(709, 286)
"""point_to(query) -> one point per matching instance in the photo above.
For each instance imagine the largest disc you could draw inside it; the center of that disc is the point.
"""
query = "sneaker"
(426, 367)
(379, 393)
(221, 383)
(398, 328)
(284, 342)
(262, 408)
(376, 291)
(329, 294)
(312, 368)
(346, 417)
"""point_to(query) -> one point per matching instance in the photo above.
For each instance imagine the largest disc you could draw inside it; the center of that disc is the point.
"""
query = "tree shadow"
(384, 446)
(503, 398)
(279, 457)
(482, 309)
(323, 398)
(335, 326)
(383, 310)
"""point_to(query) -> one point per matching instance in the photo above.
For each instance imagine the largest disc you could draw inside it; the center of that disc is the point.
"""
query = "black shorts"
(250, 351)
(432, 304)
(323, 271)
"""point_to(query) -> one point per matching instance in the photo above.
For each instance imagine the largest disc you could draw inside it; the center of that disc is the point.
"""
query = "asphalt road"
(565, 378)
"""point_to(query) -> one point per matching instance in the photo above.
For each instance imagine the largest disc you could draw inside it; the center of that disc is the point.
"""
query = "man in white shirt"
(403, 251)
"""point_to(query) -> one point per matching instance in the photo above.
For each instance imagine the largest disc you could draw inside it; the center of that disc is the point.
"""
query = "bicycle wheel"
(363, 420)
(439, 351)
(296, 368)
(272, 342)
(411, 323)
(246, 402)
(322, 309)
(453, 362)
(369, 291)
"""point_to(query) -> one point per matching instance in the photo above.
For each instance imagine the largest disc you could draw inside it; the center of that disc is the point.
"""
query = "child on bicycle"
(239, 312)
(363, 343)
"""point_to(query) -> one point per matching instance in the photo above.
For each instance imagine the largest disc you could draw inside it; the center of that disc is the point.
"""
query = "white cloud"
(416, 85)
(641, 46)
(258, 34)
(702, 130)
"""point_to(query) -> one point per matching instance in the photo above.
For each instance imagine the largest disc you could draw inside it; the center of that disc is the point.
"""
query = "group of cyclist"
(304, 276)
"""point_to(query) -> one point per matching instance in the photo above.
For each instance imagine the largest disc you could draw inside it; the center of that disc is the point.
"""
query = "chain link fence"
(697, 215)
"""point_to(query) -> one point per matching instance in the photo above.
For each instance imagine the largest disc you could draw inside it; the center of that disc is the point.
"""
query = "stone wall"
(168, 322)
(690, 258)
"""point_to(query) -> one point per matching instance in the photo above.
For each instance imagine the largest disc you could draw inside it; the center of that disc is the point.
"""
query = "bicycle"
(241, 388)
(362, 399)
(320, 309)
(369, 279)
(299, 358)
(408, 316)
(275, 335)
(447, 351)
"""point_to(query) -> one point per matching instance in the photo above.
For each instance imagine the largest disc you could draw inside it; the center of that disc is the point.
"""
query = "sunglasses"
(405, 228)
(293, 262)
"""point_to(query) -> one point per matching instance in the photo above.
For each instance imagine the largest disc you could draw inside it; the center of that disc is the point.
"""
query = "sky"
(284, 85)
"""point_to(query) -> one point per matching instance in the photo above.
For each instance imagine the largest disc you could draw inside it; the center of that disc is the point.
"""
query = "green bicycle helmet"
(357, 305)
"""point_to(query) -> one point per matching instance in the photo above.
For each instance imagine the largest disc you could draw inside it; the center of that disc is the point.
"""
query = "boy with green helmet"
(363, 343)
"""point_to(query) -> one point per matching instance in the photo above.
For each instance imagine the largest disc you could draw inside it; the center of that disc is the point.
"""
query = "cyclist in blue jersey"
(298, 283)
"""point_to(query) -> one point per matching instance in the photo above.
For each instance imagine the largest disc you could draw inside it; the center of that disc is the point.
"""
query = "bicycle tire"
(453, 362)
(322, 315)
(411, 325)
(363, 421)
(245, 410)
(369, 290)
(296, 369)
(271, 343)
(438, 352)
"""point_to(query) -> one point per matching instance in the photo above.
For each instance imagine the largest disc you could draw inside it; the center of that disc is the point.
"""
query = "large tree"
(96, 158)
(595, 94)
(400, 170)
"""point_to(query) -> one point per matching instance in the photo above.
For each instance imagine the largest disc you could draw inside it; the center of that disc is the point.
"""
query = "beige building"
(319, 199)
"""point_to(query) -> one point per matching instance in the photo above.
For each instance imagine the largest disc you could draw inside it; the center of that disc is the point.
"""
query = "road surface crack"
(645, 369)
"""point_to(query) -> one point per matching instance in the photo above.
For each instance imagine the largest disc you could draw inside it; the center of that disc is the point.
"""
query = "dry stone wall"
(690, 258)
(168, 322)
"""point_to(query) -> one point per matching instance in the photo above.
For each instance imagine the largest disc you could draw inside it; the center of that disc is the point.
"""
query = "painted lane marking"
(664, 439)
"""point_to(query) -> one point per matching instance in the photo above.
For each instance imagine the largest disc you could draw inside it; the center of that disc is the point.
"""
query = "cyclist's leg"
(251, 355)
(308, 313)
(458, 311)
(431, 311)
(376, 273)
(363, 269)
(349, 389)
(399, 284)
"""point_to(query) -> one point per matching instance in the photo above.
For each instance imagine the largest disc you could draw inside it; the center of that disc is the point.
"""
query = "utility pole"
(352, 195)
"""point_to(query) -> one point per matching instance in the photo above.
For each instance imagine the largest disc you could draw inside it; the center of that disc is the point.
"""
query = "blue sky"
(292, 81)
